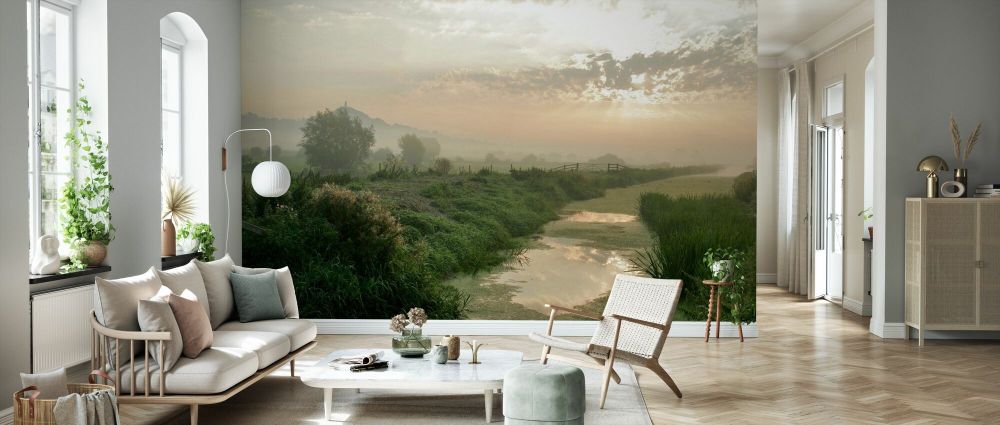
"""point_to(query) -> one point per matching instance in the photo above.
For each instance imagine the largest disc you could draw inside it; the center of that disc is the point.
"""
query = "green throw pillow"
(256, 297)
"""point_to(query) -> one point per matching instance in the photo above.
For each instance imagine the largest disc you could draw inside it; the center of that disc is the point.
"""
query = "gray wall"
(14, 190)
(942, 59)
(767, 174)
(133, 35)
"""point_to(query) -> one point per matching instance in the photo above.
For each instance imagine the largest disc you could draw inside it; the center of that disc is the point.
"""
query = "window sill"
(39, 284)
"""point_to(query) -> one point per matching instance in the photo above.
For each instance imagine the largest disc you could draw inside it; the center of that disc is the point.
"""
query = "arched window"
(184, 105)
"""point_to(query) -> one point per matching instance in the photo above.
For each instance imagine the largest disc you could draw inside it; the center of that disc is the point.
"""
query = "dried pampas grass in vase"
(178, 206)
(962, 155)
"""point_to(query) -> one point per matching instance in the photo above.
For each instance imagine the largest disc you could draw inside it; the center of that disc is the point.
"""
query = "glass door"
(828, 212)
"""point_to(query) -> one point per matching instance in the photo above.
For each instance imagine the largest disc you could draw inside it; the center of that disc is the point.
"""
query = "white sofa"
(241, 353)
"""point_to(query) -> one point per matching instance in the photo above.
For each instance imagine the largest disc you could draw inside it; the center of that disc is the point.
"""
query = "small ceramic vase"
(454, 344)
(439, 354)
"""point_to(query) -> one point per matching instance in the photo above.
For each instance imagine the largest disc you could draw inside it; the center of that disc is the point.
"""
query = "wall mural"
(482, 158)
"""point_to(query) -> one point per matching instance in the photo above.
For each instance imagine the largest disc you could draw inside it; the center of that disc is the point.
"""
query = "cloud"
(715, 66)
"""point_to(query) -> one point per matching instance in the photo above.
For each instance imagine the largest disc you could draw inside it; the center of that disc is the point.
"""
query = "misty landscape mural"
(482, 158)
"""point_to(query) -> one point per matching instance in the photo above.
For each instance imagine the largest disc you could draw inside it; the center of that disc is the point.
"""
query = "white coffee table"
(416, 374)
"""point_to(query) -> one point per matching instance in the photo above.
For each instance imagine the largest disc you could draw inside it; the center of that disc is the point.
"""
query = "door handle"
(980, 264)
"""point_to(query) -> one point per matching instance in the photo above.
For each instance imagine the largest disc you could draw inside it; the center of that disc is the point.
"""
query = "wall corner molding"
(888, 330)
(837, 31)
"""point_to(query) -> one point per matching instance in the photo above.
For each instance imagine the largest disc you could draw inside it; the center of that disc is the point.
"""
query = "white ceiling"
(782, 24)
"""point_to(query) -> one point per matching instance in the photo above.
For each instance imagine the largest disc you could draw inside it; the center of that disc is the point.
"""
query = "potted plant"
(866, 215)
(739, 301)
(178, 206)
(410, 342)
(85, 203)
(201, 237)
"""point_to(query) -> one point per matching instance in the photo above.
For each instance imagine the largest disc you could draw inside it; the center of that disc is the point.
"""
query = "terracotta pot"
(94, 253)
(168, 247)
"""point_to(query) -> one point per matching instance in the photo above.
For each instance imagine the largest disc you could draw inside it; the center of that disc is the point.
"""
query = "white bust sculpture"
(46, 257)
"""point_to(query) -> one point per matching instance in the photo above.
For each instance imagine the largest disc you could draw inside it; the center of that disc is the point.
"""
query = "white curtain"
(795, 253)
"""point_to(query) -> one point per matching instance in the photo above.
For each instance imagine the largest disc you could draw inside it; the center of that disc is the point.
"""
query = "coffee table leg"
(489, 405)
(327, 402)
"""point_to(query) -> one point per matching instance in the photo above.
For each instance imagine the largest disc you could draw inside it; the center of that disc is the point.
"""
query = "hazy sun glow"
(652, 81)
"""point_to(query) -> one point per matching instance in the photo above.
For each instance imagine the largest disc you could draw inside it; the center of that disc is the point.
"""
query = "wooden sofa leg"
(194, 414)
(292, 365)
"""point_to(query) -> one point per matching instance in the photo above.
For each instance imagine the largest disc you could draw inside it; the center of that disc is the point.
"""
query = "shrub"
(442, 166)
(685, 228)
(745, 187)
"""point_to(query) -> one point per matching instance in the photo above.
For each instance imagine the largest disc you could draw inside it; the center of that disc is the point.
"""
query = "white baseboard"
(888, 330)
(511, 327)
(7, 416)
(857, 307)
(767, 278)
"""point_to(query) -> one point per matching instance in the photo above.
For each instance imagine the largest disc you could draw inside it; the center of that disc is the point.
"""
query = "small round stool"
(716, 298)
(537, 394)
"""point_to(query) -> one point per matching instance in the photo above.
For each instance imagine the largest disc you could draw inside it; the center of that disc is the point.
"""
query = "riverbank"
(572, 262)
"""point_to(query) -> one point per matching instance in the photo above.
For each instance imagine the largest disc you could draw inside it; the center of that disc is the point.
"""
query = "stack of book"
(988, 191)
(369, 361)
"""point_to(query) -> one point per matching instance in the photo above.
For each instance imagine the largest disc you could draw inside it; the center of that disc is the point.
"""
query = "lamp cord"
(225, 175)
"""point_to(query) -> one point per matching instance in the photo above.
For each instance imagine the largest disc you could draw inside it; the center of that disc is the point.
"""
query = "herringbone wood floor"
(813, 363)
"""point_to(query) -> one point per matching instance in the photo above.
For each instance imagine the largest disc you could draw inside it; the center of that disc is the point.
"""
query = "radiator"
(60, 329)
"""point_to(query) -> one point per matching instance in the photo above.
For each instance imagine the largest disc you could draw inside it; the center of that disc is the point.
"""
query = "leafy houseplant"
(866, 215)
(86, 198)
(740, 300)
(202, 234)
(410, 342)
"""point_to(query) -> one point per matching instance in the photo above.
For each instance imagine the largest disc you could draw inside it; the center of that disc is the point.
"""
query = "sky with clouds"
(651, 81)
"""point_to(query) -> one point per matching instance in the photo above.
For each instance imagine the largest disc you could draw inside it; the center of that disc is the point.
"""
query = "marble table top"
(414, 372)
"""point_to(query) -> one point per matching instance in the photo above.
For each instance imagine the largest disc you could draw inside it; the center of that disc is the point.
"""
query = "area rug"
(285, 400)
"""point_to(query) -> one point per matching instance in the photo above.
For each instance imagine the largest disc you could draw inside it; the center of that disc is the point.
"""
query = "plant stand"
(715, 297)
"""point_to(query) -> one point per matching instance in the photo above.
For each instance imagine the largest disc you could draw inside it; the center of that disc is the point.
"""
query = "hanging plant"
(85, 203)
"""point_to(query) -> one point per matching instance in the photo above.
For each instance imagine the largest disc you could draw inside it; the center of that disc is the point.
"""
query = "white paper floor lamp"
(270, 178)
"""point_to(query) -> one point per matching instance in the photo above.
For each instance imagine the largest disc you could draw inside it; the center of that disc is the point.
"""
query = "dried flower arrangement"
(956, 140)
(416, 317)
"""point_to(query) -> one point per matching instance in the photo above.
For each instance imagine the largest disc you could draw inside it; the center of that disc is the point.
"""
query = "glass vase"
(411, 343)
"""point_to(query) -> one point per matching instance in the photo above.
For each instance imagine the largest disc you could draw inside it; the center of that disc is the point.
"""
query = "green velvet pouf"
(544, 395)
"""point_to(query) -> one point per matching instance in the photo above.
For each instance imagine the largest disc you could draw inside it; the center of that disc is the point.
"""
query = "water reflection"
(562, 272)
(595, 217)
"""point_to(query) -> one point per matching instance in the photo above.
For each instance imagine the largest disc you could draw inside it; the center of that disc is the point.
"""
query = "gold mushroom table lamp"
(931, 165)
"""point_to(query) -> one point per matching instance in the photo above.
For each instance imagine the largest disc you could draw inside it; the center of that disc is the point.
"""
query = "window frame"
(835, 120)
(35, 86)
(177, 48)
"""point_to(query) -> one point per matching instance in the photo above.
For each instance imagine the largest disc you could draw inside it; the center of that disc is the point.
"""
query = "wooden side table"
(715, 297)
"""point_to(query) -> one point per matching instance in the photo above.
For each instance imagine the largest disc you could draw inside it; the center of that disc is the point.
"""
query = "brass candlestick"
(475, 351)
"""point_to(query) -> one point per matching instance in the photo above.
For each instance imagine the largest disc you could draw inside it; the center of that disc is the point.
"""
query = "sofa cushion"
(186, 278)
(256, 297)
(196, 330)
(268, 346)
(216, 370)
(156, 316)
(299, 332)
(220, 294)
(286, 288)
(116, 304)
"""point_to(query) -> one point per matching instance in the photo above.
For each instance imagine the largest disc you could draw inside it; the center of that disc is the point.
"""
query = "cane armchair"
(633, 328)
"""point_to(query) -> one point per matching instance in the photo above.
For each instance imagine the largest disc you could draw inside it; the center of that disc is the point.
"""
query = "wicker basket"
(35, 411)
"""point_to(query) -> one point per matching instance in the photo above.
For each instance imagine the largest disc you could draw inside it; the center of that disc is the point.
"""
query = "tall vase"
(168, 246)
(962, 176)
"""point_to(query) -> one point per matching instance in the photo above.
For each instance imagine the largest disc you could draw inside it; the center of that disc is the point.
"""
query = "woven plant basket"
(36, 411)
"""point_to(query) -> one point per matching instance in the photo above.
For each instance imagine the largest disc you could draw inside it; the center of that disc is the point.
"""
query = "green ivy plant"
(202, 233)
(740, 300)
(85, 203)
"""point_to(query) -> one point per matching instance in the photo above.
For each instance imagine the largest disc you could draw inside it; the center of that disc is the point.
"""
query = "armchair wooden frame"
(104, 336)
(604, 356)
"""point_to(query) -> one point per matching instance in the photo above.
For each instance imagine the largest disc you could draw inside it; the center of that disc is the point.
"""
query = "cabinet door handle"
(980, 264)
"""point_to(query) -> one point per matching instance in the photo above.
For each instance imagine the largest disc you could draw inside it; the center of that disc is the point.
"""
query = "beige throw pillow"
(195, 328)
(186, 278)
(220, 294)
(116, 304)
(157, 316)
(286, 287)
(51, 385)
